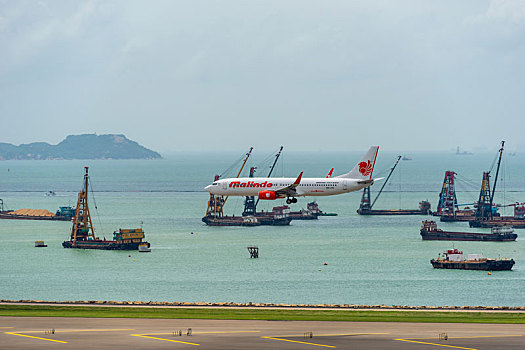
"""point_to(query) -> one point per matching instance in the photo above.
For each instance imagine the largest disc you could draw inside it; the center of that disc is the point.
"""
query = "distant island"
(87, 146)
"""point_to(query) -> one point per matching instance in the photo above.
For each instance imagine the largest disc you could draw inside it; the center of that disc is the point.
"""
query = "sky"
(203, 75)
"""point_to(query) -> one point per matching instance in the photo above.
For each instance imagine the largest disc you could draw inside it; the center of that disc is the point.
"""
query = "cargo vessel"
(62, 214)
(500, 221)
(83, 234)
(279, 216)
(455, 259)
(231, 221)
(430, 232)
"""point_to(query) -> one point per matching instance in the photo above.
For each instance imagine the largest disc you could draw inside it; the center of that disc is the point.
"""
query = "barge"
(424, 209)
(83, 234)
(430, 232)
(455, 259)
(279, 216)
(500, 221)
(62, 214)
(231, 221)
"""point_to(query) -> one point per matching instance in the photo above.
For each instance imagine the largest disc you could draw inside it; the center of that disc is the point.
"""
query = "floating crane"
(365, 207)
(216, 203)
(487, 217)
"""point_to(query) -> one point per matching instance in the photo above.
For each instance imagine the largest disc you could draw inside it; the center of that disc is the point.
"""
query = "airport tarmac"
(133, 333)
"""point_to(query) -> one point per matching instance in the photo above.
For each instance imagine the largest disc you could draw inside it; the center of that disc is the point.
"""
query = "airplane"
(290, 188)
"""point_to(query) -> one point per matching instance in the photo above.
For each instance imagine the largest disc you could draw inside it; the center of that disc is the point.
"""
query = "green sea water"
(370, 260)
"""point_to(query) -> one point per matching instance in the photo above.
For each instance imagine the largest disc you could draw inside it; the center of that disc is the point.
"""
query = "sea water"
(370, 259)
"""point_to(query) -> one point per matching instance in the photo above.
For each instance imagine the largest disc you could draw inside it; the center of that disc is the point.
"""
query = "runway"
(129, 333)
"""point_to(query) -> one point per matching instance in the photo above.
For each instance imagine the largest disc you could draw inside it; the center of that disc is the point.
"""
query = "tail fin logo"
(365, 168)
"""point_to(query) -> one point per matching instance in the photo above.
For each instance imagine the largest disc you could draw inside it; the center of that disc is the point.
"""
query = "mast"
(496, 178)
(82, 225)
(386, 181)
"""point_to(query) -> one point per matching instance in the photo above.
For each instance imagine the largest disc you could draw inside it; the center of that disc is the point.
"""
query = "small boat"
(455, 259)
(144, 248)
(50, 193)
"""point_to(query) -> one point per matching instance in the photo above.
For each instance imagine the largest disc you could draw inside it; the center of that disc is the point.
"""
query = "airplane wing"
(289, 191)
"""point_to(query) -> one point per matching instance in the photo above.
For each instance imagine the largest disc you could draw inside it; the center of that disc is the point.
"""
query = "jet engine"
(266, 195)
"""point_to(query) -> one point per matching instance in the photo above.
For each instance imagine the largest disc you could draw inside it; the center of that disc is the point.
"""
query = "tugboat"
(455, 259)
(430, 232)
(83, 235)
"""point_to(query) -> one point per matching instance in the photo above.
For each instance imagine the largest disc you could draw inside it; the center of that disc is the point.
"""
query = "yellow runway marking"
(224, 332)
(300, 342)
(458, 347)
(85, 330)
(448, 346)
(477, 336)
(6, 327)
(174, 341)
(331, 335)
(30, 336)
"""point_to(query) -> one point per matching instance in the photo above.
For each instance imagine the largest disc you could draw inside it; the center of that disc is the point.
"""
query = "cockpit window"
(214, 184)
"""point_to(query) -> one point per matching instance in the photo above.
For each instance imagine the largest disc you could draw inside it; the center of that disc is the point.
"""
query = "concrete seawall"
(264, 305)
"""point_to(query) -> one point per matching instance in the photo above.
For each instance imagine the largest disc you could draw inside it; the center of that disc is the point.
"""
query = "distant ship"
(462, 153)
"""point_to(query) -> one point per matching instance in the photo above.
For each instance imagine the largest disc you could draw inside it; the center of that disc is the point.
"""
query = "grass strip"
(261, 314)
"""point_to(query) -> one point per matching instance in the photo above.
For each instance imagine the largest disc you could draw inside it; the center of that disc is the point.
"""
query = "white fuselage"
(251, 186)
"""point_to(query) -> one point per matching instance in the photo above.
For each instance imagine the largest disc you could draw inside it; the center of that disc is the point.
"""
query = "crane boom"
(240, 170)
(496, 178)
(386, 181)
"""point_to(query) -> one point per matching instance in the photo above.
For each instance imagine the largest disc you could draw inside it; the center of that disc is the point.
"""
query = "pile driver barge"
(83, 234)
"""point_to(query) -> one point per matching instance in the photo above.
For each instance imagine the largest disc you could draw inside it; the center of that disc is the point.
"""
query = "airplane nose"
(208, 188)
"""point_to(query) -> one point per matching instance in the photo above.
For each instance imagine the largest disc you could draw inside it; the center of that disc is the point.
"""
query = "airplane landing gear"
(291, 200)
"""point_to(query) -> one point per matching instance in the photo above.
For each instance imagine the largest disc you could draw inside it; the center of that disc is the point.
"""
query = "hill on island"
(87, 146)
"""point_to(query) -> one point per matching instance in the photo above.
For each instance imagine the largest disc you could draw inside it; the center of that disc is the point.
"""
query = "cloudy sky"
(225, 75)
